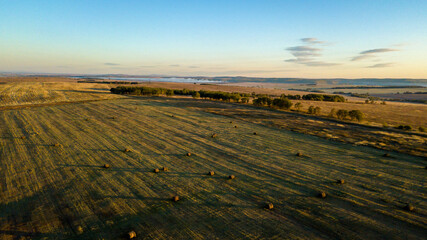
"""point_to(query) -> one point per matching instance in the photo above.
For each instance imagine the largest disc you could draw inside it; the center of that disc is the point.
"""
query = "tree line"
(224, 96)
(212, 95)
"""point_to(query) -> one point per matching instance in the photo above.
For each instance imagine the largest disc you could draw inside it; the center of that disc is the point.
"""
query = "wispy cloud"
(307, 54)
(193, 67)
(304, 51)
(312, 40)
(372, 53)
(381, 65)
(174, 65)
(111, 64)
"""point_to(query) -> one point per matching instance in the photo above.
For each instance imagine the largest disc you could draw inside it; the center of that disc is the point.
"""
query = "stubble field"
(53, 184)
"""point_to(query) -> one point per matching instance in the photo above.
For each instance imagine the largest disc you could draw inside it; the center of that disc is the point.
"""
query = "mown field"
(17, 93)
(63, 192)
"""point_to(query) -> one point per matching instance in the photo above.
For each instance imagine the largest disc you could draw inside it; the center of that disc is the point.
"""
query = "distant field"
(387, 93)
(22, 93)
(49, 192)
(391, 114)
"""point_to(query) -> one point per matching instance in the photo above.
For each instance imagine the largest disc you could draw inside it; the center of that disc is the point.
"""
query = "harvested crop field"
(53, 183)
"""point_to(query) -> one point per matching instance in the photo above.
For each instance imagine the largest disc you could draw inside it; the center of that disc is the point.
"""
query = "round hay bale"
(164, 169)
(269, 206)
(126, 150)
(188, 154)
(322, 195)
(56, 144)
(106, 165)
(175, 198)
(299, 154)
(214, 135)
(79, 230)
(409, 207)
(132, 234)
(23, 137)
(156, 170)
(386, 155)
(340, 181)
(211, 173)
(172, 116)
(231, 177)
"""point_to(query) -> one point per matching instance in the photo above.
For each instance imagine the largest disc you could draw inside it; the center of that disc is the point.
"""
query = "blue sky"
(318, 39)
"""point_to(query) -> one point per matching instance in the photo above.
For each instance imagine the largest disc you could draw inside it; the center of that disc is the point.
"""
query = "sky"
(265, 38)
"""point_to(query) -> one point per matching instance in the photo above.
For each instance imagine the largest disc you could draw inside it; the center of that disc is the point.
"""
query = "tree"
(282, 103)
(169, 92)
(342, 114)
(245, 100)
(260, 101)
(298, 106)
(314, 110)
(332, 113)
(196, 95)
(356, 115)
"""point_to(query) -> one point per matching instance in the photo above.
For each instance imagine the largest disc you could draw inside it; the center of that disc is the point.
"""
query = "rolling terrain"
(53, 184)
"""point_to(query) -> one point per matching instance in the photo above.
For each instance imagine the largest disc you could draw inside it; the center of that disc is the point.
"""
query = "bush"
(314, 110)
(421, 129)
(298, 106)
(404, 127)
(342, 114)
(356, 115)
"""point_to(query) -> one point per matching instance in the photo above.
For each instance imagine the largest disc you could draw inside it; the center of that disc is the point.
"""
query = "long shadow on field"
(103, 150)
(17, 218)
(110, 169)
(184, 201)
(139, 198)
(192, 175)
(24, 235)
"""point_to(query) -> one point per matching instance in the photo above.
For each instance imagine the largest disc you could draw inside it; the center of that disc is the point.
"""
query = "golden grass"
(30, 93)
(48, 192)
(391, 114)
(52, 192)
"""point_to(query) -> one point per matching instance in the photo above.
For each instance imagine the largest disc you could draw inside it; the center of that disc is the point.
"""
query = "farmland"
(53, 184)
